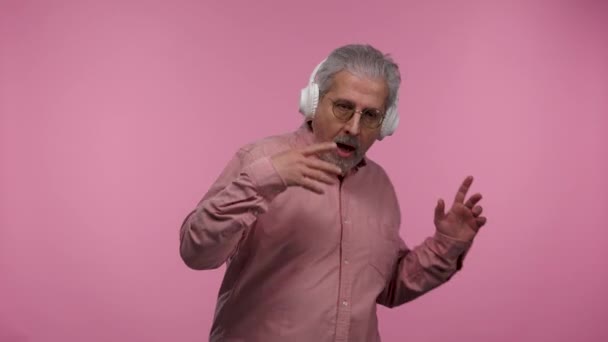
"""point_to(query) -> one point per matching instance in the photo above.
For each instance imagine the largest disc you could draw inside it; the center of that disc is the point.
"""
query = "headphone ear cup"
(309, 100)
(309, 96)
(304, 101)
(390, 123)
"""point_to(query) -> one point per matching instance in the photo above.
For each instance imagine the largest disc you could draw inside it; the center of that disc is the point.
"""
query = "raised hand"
(302, 167)
(463, 220)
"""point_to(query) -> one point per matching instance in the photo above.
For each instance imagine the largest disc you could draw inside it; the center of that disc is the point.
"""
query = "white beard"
(346, 164)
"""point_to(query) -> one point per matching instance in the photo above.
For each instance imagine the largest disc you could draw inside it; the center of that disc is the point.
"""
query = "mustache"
(348, 140)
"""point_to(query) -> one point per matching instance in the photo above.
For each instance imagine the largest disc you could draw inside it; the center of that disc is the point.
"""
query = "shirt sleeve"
(424, 268)
(211, 232)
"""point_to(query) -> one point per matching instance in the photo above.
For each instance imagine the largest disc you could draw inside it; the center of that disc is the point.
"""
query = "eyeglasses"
(344, 110)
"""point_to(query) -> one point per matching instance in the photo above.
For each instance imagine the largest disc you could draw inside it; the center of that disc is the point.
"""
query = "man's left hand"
(463, 220)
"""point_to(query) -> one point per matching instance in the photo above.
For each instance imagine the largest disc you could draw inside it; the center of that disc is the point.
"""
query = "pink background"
(115, 117)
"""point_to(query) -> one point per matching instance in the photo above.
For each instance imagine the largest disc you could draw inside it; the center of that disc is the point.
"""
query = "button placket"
(344, 292)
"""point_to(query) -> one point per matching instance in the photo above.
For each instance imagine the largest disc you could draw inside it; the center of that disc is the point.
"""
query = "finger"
(439, 210)
(473, 200)
(323, 166)
(481, 221)
(311, 185)
(318, 148)
(477, 210)
(319, 175)
(462, 191)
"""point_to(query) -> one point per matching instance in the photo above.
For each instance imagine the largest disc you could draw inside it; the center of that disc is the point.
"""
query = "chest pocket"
(382, 247)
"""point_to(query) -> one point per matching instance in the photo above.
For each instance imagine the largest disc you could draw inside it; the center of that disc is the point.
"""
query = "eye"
(344, 106)
(372, 114)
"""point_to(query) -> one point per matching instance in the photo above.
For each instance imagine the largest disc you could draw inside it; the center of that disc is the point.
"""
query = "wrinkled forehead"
(360, 90)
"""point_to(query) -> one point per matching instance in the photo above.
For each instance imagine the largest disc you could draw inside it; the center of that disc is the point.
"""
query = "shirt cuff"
(265, 178)
(452, 249)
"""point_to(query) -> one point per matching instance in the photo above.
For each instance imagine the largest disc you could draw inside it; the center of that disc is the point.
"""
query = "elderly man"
(309, 226)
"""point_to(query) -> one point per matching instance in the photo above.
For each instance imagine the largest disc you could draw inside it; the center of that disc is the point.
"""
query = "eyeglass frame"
(354, 111)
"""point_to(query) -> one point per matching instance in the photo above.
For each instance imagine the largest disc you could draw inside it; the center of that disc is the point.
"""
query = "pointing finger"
(464, 188)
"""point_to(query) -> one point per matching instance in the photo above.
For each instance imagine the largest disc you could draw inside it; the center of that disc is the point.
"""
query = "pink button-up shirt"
(302, 266)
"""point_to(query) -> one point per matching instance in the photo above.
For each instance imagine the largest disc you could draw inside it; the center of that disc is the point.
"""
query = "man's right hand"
(302, 167)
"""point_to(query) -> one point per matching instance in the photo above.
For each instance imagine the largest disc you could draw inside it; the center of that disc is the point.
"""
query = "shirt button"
(345, 302)
(347, 221)
(346, 261)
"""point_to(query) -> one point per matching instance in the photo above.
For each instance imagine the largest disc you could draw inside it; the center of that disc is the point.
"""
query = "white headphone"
(309, 100)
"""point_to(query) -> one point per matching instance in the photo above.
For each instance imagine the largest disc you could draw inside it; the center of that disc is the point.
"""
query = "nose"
(353, 126)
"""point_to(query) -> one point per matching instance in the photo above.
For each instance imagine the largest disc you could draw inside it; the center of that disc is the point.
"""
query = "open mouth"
(345, 150)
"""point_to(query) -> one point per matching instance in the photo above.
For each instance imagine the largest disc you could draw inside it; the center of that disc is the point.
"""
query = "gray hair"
(363, 61)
